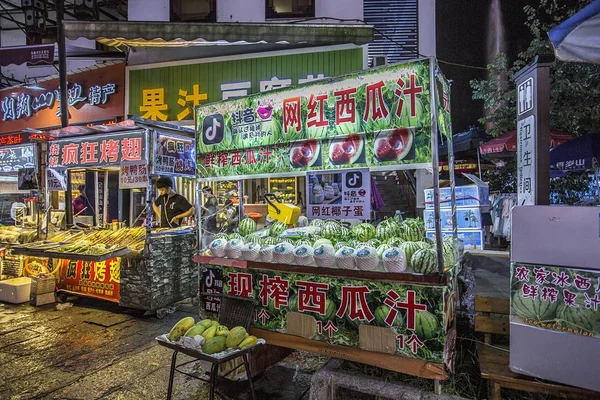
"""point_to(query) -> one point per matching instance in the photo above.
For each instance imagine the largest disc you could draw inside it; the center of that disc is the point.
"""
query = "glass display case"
(285, 188)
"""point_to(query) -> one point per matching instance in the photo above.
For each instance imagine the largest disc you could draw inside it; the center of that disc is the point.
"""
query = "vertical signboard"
(533, 132)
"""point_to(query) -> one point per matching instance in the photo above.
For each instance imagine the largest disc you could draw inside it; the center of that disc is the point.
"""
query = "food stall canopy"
(47, 54)
(505, 145)
(578, 38)
(578, 154)
(173, 34)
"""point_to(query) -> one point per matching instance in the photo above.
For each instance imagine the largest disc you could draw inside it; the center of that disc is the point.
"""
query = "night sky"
(462, 27)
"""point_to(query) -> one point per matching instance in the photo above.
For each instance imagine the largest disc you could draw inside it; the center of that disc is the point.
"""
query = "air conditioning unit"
(379, 61)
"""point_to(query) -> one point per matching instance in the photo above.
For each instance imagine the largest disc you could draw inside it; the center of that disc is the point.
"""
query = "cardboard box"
(15, 290)
(472, 240)
(41, 299)
(475, 195)
(41, 285)
(466, 218)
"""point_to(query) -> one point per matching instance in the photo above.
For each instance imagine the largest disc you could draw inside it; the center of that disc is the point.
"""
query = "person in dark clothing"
(79, 202)
(170, 206)
(209, 216)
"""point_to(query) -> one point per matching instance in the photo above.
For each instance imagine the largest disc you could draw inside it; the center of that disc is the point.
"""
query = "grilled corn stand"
(137, 267)
(398, 321)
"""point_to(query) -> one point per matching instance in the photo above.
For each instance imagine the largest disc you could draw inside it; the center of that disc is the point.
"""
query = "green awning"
(183, 34)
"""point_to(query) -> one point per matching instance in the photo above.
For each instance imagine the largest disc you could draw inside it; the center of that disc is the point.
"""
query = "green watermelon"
(293, 303)
(386, 231)
(426, 325)
(221, 236)
(247, 226)
(331, 230)
(424, 261)
(319, 242)
(363, 232)
(381, 313)
(277, 229)
(251, 239)
(395, 242)
(578, 317)
(339, 245)
(413, 233)
(235, 236)
(317, 222)
(381, 249)
(429, 241)
(330, 310)
(374, 243)
(269, 240)
(533, 308)
(449, 253)
(301, 242)
(409, 249)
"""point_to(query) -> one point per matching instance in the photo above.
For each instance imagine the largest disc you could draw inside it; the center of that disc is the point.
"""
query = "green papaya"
(214, 345)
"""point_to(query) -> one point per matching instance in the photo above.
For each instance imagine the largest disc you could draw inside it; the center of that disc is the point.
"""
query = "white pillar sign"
(526, 161)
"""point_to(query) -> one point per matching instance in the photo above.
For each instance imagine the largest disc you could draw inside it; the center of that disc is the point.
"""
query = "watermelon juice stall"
(380, 294)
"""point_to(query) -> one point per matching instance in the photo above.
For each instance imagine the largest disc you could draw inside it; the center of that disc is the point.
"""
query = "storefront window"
(290, 8)
(199, 11)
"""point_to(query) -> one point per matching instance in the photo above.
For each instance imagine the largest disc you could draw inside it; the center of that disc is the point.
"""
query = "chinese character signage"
(418, 315)
(375, 101)
(526, 161)
(341, 195)
(374, 118)
(96, 279)
(14, 158)
(93, 95)
(557, 299)
(171, 93)
(133, 175)
(95, 150)
(175, 155)
(213, 283)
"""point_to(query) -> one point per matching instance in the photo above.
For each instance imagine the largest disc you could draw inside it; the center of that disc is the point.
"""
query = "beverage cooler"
(555, 294)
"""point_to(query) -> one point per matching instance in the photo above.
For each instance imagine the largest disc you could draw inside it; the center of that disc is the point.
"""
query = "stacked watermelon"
(247, 227)
(413, 230)
(424, 261)
(363, 232)
(331, 230)
(277, 229)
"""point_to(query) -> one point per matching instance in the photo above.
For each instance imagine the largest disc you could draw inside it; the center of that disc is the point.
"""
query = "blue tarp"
(579, 154)
(578, 38)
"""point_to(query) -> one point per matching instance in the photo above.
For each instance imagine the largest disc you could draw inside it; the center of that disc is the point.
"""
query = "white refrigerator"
(555, 294)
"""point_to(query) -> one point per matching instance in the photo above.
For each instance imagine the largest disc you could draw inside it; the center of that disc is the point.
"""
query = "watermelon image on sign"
(394, 145)
(347, 151)
(305, 154)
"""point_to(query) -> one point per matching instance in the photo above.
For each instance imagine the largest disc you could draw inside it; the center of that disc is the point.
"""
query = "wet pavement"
(94, 350)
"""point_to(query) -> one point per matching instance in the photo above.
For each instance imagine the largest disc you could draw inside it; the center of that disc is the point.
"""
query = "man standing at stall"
(209, 216)
(170, 206)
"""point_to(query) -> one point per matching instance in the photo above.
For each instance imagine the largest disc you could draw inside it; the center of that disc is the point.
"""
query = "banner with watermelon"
(416, 317)
(558, 299)
(371, 118)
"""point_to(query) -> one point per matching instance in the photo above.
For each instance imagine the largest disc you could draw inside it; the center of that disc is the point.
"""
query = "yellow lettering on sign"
(100, 271)
(185, 98)
(115, 270)
(153, 104)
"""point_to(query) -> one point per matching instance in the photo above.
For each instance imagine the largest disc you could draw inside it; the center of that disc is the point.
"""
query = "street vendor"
(233, 216)
(209, 216)
(170, 206)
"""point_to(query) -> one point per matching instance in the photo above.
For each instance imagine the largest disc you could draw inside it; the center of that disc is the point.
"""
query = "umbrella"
(578, 38)
(579, 154)
(467, 141)
(505, 145)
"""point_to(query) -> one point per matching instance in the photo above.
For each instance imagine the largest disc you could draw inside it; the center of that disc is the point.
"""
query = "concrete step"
(333, 383)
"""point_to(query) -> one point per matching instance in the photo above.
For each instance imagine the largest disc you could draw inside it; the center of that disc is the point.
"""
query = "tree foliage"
(574, 97)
